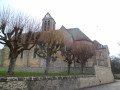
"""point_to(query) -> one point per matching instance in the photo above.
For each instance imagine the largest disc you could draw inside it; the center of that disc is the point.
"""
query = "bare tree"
(69, 56)
(83, 50)
(17, 33)
(115, 64)
(49, 43)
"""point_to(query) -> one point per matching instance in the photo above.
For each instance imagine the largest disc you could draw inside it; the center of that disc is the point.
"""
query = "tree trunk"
(11, 67)
(69, 68)
(74, 64)
(82, 68)
(47, 64)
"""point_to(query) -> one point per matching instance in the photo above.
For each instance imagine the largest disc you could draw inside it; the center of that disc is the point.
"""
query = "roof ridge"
(73, 28)
(77, 34)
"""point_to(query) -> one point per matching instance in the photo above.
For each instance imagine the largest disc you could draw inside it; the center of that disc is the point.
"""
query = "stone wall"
(103, 75)
(29, 61)
(88, 70)
(44, 83)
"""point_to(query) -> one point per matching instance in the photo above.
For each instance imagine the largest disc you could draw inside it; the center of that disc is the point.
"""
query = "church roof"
(62, 27)
(48, 16)
(77, 34)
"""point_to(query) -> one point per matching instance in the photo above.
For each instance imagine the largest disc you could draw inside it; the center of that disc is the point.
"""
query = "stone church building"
(28, 59)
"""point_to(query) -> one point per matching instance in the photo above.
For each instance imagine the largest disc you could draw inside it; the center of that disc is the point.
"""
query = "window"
(49, 23)
(45, 25)
(34, 53)
(101, 54)
(99, 46)
(21, 54)
(102, 62)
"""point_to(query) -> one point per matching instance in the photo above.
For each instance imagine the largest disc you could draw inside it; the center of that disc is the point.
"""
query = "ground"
(111, 86)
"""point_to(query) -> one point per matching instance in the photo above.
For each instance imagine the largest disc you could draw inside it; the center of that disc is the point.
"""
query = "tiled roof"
(77, 34)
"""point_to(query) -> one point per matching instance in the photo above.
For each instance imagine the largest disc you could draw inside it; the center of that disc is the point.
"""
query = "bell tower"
(48, 23)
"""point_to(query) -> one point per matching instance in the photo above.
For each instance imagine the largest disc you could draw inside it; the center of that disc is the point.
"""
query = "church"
(28, 60)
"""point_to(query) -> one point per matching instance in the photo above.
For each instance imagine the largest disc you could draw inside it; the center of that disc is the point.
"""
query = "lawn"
(4, 73)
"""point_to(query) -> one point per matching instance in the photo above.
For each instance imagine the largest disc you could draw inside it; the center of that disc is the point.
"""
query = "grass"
(4, 73)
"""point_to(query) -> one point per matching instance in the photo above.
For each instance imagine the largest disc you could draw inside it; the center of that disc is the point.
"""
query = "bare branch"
(2, 42)
(12, 33)
(29, 47)
(49, 43)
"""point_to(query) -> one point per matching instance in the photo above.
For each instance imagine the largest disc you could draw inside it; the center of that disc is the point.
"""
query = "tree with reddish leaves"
(17, 32)
(83, 50)
(79, 52)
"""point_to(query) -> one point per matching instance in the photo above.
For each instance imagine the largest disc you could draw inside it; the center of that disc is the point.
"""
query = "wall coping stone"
(37, 78)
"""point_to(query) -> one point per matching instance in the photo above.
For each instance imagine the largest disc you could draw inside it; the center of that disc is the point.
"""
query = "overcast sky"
(98, 19)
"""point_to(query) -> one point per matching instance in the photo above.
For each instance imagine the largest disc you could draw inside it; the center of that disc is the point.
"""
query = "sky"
(98, 19)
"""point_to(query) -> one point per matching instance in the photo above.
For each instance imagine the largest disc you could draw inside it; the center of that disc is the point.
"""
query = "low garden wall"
(103, 75)
(45, 83)
(88, 70)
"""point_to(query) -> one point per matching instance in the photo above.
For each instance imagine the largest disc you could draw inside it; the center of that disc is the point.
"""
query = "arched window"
(45, 25)
(34, 53)
(21, 54)
(48, 22)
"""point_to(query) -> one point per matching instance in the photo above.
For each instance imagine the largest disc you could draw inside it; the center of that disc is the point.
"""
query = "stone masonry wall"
(89, 70)
(46, 83)
(103, 75)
